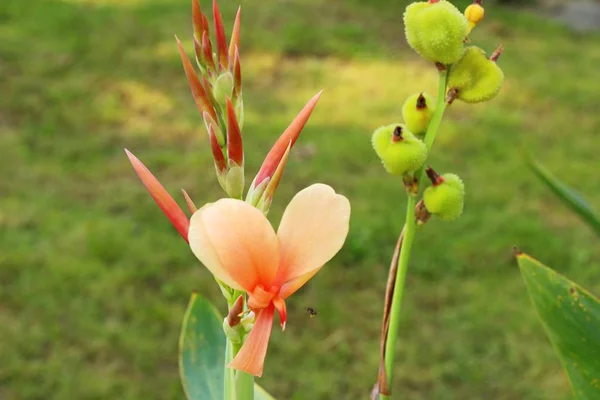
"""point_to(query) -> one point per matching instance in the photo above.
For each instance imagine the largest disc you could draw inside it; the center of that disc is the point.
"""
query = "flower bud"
(234, 182)
(445, 198)
(474, 14)
(474, 78)
(223, 87)
(436, 30)
(232, 332)
(417, 112)
(399, 150)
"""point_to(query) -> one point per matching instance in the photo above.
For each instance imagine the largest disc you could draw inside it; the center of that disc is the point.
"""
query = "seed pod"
(417, 112)
(445, 198)
(399, 150)
(474, 78)
(436, 30)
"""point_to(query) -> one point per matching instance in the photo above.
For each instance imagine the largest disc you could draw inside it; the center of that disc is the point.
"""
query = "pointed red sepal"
(279, 304)
(220, 36)
(190, 203)
(207, 48)
(235, 36)
(237, 73)
(198, 92)
(235, 149)
(197, 21)
(164, 200)
(198, 52)
(290, 135)
(217, 153)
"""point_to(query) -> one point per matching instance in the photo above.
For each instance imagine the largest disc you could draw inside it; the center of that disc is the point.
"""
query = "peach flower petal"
(244, 241)
(313, 229)
(291, 286)
(251, 357)
(204, 250)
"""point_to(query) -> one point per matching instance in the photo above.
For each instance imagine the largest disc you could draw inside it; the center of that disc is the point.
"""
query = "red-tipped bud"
(234, 43)
(207, 49)
(208, 122)
(198, 92)
(198, 52)
(218, 157)
(197, 20)
(220, 36)
(287, 138)
(162, 198)
(237, 73)
(267, 197)
(190, 203)
(235, 150)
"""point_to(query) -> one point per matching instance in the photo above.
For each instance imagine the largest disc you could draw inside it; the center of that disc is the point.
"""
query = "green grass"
(94, 281)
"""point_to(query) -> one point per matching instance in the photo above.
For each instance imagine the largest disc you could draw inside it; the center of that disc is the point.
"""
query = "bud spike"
(190, 203)
(160, 195)
(288, 137)
(220, 36)
(237, 73)
(218, 156)
(234, 43)
(197, 20)
(198, 92)
(207, 48)
(235, 149)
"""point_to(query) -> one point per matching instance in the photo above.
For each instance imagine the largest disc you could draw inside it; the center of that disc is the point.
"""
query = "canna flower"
(236, 242)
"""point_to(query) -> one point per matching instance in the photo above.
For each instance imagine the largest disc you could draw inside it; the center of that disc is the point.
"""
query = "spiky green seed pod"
(436, 30)
(475, 78)
(446, 197)
(400, 151)
(417, 112)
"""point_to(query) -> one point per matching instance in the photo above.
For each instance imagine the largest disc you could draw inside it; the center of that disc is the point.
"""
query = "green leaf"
(202, 353)
(571, 316)
(261, 394)
(568, 196)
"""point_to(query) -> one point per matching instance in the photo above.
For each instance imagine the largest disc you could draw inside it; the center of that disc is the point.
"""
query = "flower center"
(261, 298)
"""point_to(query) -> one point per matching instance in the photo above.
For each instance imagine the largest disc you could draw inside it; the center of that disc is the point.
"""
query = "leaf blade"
(571, 317)
(567, 195)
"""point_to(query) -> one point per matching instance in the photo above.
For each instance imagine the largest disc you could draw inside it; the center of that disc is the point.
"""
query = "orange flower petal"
(203, 248)
(313, 229)
(251, 357)
(244, 240)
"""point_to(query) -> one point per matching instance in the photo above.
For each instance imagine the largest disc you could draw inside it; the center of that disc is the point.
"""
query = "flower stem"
(229, 393)
(244, 382)
(410, 227)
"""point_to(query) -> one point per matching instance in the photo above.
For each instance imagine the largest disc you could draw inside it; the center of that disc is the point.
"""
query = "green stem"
(244, 383)
(409, 235)
(229, 393)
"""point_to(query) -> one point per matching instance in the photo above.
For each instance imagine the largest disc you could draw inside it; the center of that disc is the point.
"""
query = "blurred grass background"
(94, 281)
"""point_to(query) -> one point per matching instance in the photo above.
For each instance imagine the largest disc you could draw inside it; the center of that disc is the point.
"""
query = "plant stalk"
(244, 382)
(410, 227)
